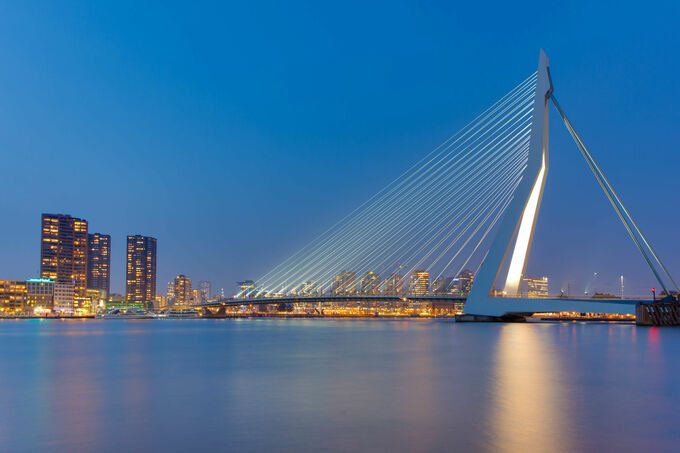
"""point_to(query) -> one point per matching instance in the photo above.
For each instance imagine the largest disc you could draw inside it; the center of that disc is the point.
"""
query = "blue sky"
(236, 132)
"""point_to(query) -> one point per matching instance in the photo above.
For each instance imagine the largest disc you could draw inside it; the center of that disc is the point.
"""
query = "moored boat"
(126, 313)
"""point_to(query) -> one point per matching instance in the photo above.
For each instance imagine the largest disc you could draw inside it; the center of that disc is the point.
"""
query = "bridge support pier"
(657, 314)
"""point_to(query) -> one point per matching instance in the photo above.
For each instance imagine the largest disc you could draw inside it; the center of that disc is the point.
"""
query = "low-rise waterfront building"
(12, 296)
(39, 294)
(97, 300)
(64, 297)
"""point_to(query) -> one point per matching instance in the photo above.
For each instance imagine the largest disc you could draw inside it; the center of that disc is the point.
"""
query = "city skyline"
(273, 127)
(350, 226)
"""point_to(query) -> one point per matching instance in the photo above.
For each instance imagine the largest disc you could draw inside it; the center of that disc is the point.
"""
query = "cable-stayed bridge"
(466, 210)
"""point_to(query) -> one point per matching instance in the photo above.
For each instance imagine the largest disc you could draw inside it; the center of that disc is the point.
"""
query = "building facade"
(394, 285)
(161, 301)
(141, 271)
(97, 299)
(99, 262)
(12, 296)
(64, 297)
(419, 284)
(183, 291)
(345, 284)
(370, 284)
(39, 294)
(63, 251)
(171, 292)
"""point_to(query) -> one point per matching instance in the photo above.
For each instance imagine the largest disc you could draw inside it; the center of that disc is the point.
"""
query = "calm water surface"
(346, 385)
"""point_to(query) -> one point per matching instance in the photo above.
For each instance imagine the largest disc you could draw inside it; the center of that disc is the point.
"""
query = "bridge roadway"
(537, 305)
(322, 299)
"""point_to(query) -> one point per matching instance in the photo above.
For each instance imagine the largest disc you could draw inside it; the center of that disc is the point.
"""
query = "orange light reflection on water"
(530, 413)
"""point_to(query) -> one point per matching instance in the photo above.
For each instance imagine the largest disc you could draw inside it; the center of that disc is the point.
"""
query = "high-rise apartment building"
(63, 251)
(141, 271)
(420, 283)
(99, 262)
(183, 291)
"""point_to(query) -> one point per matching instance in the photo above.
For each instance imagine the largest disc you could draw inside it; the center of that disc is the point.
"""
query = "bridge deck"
(534, 305)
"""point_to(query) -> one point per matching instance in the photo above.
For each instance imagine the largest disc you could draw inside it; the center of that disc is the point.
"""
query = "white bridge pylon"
(497, 288)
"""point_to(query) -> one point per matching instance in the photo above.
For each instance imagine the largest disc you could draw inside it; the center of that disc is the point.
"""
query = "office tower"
(345, 284)
(183, 291)
(419, 284)
(204, 288)
(39, 294)
(99, 262)
(141, 271)
(12, 295)
(63, 251)
(462, 284)
(394, 285)
(196, 296)
(536, 286)
(370, 284)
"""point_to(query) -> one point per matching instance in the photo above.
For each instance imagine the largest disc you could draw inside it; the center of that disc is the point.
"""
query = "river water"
(336, 385)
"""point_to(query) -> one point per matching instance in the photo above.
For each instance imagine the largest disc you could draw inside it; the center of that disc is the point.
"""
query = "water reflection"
(313, 385)
(530, 412)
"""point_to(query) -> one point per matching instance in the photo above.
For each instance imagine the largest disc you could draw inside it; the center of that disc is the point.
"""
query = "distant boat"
(126, 313)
